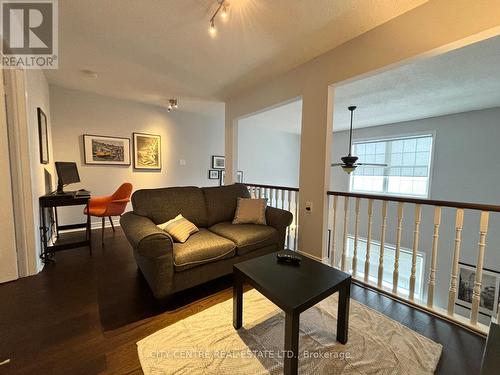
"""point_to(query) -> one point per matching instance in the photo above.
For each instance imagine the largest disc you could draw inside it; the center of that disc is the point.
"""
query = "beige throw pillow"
(179, 228)
(250, 211)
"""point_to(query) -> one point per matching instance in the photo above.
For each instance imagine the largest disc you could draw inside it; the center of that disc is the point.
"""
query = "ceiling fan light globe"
(348, 168)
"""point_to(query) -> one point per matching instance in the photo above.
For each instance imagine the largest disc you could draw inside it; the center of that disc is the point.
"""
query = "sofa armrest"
(145, 237)
(280, 220)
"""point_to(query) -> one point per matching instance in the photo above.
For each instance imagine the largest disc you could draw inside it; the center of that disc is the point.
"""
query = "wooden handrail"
(272, 187)
(430, 202)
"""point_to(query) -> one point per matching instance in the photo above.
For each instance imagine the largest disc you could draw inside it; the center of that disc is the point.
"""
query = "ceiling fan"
(349, 162)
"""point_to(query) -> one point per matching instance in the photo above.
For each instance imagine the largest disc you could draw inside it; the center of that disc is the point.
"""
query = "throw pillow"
(179, 228)
(250, 211)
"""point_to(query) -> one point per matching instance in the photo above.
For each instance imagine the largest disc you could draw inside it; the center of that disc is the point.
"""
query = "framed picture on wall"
(104, 150)
(488, 301)
(147, 151)
(43, 136)
(222, 177)
(239, 177)
(213, 174)
(218, 162)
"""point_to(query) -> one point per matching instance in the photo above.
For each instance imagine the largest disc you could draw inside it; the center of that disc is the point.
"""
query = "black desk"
(294, 289)
(48, 204)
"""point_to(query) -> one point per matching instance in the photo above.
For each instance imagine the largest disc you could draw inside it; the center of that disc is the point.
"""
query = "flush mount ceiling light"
(172, 104)
(222, 8)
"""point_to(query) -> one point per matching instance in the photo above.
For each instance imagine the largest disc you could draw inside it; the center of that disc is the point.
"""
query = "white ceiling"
(463, 80)
(151, 50)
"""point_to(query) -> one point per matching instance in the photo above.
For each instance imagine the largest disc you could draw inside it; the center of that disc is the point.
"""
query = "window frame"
(431, 133)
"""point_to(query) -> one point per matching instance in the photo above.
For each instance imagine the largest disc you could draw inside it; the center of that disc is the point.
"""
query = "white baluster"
(452, 295)
(356, 231)
(416, 233)
(288, 239)
(395, 275)
(296, 215)
(383, 227)
(346, 227)
(432, 275)
(368, 239)
(334, 231)
(476, 293)
(282, 193)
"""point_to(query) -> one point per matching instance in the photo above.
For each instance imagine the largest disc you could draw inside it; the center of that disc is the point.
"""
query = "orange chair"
(112, 205)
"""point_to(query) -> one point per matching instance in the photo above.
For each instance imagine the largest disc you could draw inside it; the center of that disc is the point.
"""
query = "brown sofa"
(169, 266)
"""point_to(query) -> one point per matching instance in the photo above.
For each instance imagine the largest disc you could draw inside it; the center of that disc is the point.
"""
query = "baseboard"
(94, 224)
(325, 260)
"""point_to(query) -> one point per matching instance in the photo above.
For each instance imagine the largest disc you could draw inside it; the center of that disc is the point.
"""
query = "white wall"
(188, 136)
(267, 156)
(448, 24)
(37, 90)
(465, 168)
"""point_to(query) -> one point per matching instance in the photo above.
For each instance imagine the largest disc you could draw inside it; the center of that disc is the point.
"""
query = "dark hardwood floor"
(84, 315)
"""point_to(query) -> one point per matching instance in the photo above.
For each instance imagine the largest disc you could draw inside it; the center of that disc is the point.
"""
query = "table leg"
(343, 313)
(237, 303)
(291, 343)
(89, 230)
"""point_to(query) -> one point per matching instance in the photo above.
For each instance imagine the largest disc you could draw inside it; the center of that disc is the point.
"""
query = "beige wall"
(432, 28)
(185, 136)
(8, 254)
(37, 89)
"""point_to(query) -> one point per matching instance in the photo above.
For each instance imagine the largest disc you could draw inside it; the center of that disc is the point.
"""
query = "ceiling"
(152, 50)
(462, 80)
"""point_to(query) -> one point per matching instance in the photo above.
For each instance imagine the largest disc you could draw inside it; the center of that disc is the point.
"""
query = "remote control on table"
(288, 258)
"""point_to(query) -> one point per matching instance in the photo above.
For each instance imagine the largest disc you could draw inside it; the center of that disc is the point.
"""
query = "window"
(405, 256)
(408, 166)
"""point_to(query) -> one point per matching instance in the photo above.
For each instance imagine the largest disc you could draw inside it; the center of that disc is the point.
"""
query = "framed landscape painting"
(218, 162)
(147, 151)
(104, 150)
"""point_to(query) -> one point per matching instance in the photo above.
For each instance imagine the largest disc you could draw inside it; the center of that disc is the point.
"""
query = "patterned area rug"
(207, 343)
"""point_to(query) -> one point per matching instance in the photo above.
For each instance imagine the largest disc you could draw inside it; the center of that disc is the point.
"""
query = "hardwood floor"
(84, 315)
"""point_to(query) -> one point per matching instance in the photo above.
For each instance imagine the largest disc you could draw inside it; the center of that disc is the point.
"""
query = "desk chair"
(111, 205)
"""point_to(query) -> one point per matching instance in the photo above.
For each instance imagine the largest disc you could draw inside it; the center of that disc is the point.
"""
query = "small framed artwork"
(239, 177)
(147, 151)
(488, 301)
(218, 162)
(43, 136)
(222, 177)
(213, 174)
(104, 150)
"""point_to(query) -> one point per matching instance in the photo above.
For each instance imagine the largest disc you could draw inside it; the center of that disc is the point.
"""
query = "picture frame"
(213, 174)
(222, 177)
(218, 162)
(239, 177)
(106, 150)
(147, 151)
(490, 293)
(43, 137)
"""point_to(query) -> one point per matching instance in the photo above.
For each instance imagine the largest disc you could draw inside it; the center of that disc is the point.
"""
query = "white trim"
(322, 260)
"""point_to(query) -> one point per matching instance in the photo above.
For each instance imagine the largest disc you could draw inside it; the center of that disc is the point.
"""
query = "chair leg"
(102, 231)
(111, 221)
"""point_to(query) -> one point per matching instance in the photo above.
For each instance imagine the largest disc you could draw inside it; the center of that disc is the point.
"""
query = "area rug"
(207, 343)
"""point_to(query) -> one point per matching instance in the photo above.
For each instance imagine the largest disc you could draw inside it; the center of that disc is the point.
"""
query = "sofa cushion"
(250, 211)
(221, 201)
(247, 237)
(161, 205)
(202, 247)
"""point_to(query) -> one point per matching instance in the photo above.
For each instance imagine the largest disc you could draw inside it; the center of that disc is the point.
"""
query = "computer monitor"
(67, 173)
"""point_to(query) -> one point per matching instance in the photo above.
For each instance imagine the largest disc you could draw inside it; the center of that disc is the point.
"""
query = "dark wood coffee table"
(294, 289)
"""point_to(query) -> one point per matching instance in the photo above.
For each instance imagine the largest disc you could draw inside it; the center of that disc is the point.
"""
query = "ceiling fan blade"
(336, 164)
(372, 164)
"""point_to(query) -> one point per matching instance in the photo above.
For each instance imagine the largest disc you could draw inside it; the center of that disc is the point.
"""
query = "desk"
(48, 204)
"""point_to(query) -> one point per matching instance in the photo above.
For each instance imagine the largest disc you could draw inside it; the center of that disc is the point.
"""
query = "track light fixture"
(172, 104)
(222, 8)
